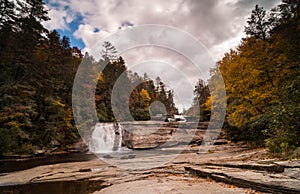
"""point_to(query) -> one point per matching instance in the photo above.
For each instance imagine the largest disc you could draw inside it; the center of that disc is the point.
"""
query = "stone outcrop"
(229, 163)
(144, 137)
(149, 135)
(265, 178)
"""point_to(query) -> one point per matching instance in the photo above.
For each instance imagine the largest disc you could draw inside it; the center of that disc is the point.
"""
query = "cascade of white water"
(106, 137)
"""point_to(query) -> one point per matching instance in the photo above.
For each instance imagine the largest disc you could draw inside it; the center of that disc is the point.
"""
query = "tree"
(202, 94)
(109, 52)
(170, 104)
(114, 69)
(258, 24)
(145, 99)
(7, 13)
(36, 79)
(139, 104)
(262, 83)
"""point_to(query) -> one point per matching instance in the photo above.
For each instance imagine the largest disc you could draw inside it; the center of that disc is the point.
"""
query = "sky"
(217, 25)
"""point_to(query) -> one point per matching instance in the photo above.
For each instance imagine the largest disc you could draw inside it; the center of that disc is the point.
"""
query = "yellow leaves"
(13, 124)
(100, 77)
(145, 97)
(241, 114)
(249, 89)
(208, 103)
(68, 118)
(57, 103)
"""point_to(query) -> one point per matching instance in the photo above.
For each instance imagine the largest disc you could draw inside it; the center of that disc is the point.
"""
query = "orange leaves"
(145, 97)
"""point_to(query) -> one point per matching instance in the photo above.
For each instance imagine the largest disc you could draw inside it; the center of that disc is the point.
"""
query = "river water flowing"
(106, 138)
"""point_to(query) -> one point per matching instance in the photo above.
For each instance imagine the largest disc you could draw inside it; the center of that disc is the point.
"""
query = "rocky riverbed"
(227, 168)
(153, 160)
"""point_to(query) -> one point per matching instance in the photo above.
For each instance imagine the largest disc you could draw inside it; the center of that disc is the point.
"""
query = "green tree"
(258, 24)
(7, 13)
(37, 72)
(199, 105)
(114, 69)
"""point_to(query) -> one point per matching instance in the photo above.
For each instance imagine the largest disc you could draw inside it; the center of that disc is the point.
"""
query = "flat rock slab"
(254, 179)
(171, 177)
(173, 184)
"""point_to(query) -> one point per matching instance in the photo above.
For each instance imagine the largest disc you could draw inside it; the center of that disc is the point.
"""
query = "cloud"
(217, 24)
(211, 22)
(60, 14)
(59, 21)
(89, 35)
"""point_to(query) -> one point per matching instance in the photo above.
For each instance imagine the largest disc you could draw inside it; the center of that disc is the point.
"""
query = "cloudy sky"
(216, 24)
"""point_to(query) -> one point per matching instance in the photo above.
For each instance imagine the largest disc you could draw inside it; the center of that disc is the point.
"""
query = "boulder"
(149, 137)
(143, 137)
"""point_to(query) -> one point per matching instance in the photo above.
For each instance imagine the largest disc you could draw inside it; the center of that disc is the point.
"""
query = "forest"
(38, 67)
(37, 70)
(262, 79)
(144, 90)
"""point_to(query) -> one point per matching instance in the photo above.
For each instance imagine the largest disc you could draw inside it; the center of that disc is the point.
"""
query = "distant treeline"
(143, 90)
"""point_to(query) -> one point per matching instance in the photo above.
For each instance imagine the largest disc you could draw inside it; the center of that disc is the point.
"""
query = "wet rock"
(39, 152)
(107, 156)
(124, 157)
(130, 156)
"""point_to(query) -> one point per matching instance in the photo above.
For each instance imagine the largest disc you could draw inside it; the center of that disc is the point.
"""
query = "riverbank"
(176, 176)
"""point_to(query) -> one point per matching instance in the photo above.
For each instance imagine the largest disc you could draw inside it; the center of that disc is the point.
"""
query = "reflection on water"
(56, 187)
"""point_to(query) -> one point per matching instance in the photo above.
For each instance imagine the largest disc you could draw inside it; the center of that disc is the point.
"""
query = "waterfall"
(106, 137)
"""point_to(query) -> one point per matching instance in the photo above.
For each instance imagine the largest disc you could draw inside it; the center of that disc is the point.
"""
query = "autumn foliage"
(262, 80)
